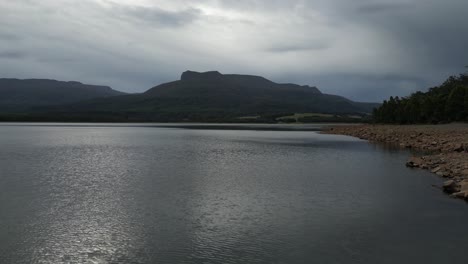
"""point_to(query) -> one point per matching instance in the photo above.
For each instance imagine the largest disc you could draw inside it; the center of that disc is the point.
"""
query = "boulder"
(415, 162)
(465, 147)
(462, 195)
(406, 145)
(450, 186)
(464, 186)
(460, 147)
(445, 174)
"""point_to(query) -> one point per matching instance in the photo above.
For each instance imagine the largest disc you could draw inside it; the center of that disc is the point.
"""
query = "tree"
(465, 104)
(445, 103)
(455, 106)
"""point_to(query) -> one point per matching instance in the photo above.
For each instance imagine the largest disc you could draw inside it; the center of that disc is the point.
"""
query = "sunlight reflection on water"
(167, 195)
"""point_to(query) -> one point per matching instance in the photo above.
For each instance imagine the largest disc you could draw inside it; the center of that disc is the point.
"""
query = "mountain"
(208, 97)
(212, 96)
(20, 95)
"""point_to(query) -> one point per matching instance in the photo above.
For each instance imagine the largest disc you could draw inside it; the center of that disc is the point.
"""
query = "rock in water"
(450, 186)
(414, 162)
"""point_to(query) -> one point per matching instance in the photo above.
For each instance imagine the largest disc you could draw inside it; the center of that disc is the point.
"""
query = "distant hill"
(202, 97)
(20, 95)
(212, 96)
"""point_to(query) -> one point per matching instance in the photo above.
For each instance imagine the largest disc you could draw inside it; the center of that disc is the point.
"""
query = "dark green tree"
(445, 103)
(455, 106)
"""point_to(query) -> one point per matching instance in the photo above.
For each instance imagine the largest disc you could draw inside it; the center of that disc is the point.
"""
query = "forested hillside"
(445, 103)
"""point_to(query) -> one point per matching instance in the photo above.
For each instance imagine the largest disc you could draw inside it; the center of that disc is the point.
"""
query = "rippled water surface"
(143, 194)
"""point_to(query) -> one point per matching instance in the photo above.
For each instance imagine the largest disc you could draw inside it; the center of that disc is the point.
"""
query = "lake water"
(144, 194)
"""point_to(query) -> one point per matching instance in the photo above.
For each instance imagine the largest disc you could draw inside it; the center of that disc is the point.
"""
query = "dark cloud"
(12, 54)
(362, 87)
(363, 49)
(9, 36)
(434, 34)
(157, 16)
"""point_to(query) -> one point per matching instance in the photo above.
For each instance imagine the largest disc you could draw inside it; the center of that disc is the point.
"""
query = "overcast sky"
(363, 49)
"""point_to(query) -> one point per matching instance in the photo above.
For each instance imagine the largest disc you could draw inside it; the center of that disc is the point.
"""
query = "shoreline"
(203, 126)
(443, 149)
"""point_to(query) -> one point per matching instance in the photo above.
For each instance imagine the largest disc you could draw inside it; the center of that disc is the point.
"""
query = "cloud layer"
(361, 49)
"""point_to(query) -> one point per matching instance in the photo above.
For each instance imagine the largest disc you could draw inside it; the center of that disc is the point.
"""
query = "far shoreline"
(313, 127)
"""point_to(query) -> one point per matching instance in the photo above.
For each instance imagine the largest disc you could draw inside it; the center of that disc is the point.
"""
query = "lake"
(108, 193)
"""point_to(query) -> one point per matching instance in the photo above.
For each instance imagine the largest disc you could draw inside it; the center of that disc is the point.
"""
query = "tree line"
(442, 104)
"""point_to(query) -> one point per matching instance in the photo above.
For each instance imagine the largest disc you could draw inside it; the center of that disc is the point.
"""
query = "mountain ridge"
(22, 94)
(210, 96)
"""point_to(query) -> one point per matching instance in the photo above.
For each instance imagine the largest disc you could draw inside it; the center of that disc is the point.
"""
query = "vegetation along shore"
(442, 149)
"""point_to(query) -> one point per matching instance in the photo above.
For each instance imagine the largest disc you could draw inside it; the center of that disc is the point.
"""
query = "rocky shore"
(442, 149)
